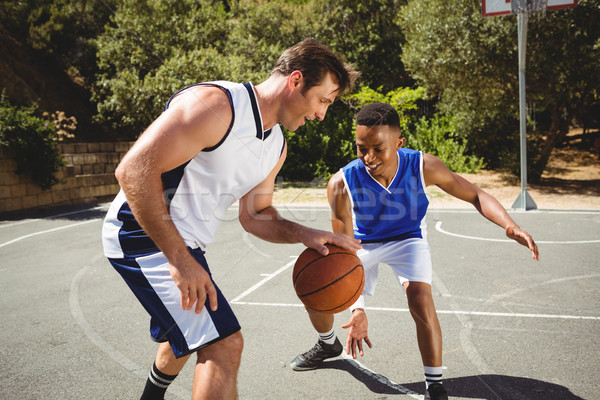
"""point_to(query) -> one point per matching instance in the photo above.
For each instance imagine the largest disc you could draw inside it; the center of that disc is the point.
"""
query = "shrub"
(437, 136)
(32, 142)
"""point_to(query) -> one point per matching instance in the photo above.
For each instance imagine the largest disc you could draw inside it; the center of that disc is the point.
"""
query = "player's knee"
(233, 345)
(421, 304)
(227, 350)
(236, 344)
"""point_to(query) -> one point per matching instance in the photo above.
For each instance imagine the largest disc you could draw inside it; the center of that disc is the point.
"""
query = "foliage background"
(451, 74)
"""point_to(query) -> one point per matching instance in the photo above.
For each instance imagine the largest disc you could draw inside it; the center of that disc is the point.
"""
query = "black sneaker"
(436, 391)
(313, 358)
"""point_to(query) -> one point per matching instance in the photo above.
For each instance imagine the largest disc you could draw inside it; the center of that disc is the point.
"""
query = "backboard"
(494, 8)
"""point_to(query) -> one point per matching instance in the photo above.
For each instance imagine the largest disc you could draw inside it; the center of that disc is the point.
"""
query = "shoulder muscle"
(196, 119)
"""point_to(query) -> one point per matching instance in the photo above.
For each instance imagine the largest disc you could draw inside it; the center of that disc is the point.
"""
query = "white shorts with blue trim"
(150, 280)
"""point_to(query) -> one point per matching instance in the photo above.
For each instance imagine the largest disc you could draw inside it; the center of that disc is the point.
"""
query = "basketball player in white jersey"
(381, 198)
(215, 143)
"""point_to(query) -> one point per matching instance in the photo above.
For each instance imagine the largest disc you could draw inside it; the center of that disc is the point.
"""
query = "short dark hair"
(378, 114)
(315, 60)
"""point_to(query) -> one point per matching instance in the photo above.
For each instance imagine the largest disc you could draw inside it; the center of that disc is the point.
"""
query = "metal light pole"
(524, 201)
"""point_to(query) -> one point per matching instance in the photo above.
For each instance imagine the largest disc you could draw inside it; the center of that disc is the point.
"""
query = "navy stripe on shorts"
(149, 279)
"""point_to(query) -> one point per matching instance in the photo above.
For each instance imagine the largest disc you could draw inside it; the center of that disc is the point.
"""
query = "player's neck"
(268, 95)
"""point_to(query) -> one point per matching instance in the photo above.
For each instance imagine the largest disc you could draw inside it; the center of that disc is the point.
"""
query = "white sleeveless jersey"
(199, 192)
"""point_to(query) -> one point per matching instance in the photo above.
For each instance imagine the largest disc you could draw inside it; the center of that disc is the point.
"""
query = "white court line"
(254, 303)
(101, 207)
(94, 337)
(47, 231)
(381, 379)
(259, 284)
(451, 312)
(90, 332)
(474, 211)
(438, 227)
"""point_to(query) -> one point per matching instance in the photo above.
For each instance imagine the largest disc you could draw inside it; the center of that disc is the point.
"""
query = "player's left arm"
(436, 173)
(258, 217)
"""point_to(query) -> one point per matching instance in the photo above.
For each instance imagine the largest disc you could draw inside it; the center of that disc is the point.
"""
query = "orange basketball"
(328, 284)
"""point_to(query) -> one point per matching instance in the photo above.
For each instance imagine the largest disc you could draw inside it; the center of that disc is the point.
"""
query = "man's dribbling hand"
(317, 240)
(195, 285)
(358, 325)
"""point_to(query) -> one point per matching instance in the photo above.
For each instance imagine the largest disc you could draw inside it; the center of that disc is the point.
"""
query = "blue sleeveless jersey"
(381, 214)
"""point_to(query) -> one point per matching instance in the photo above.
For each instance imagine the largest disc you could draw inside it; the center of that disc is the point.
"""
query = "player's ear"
(294, 80)
(400, 142)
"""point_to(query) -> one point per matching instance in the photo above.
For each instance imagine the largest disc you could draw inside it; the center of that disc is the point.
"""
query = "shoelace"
(317, 347)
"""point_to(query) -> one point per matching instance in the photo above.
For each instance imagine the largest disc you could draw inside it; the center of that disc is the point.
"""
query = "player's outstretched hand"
(523, 238)
(358, 332)
(195, 285)
(317, 239)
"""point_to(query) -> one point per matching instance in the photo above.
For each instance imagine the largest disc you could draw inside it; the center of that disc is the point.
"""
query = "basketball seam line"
(347, 301)
(315, 260)
(332, 282)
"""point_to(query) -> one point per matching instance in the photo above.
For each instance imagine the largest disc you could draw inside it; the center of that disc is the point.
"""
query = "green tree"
(563, 73)
(143, 63)
(368, 34)
(152, 48)
(64, 29)
(471, 64)
(261, 31)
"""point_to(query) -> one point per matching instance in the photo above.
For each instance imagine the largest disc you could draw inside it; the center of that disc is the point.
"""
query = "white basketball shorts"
(410, 259)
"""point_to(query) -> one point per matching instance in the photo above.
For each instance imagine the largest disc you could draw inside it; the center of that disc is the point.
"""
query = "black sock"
(157, 384)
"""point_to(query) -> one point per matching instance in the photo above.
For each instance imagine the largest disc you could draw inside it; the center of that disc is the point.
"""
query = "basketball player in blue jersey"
(215, 143)
(381, 199)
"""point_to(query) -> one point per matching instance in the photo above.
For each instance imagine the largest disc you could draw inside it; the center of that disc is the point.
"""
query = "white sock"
(432, 375)
(327, 337)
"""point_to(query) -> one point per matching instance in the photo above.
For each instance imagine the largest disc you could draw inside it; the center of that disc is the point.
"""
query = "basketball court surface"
(513, 328)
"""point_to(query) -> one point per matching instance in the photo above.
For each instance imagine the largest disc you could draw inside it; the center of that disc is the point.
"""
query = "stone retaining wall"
(88, 175)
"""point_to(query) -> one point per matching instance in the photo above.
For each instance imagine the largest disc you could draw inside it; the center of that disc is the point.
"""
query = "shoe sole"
(297, 368)
(311, 367)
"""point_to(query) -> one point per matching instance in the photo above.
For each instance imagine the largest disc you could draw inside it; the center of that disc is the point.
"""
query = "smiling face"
(310, 104)
(376, 147)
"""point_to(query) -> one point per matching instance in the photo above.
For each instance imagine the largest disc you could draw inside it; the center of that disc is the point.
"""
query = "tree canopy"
(452, 74)
(470, 63)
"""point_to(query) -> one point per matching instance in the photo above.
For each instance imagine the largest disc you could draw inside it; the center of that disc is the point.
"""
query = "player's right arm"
(341, 215)
(196, 119)
(341, 221)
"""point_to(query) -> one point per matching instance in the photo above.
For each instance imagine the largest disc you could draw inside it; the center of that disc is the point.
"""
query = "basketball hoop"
(493, 8)
(528, 6)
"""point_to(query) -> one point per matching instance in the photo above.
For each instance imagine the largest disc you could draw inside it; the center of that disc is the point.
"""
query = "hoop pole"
(524, 201)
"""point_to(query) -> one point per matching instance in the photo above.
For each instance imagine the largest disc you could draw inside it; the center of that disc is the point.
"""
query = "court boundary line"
(96, 338)
(51, 217)
(438, 227)
(446, 312)
(18, 239)
(262, 282)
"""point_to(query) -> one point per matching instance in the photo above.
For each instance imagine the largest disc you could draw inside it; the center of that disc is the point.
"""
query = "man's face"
(310, 105)
(377, 148)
